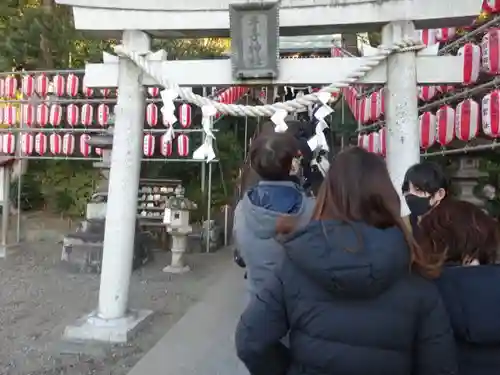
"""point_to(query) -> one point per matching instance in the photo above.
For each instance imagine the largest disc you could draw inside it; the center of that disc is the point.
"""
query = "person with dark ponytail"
(461, 241)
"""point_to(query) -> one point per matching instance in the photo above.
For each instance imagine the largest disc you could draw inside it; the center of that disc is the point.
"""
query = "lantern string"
(464, 150)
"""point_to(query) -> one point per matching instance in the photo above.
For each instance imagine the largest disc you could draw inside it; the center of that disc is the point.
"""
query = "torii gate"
(134, 22)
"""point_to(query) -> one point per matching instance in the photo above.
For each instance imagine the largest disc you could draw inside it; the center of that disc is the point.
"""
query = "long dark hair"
(358, 188)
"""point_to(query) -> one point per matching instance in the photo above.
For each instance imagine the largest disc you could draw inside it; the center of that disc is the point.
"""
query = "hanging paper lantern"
(491, 114)
(153, 91)
(165, 145)
(428, 130)
(427, 93)
(28, 85)
(105, 92)
(183, 145)
(10, 87)
(491, 6)
(42, 85)
(42, 115)
(364, 111)
(373, 142)
(185, 115)
(427, 36)
(361, 140)
(2, 87)
(446, 34)
(55, 142)
(472, 62)
(55, 115)
(68, 144)
(72, 115)
(59, 87)
(40, 144)
(103, 114)
(85, 148)
(72, 84)
(10, 115)
(87, 91)
(444, 89)
(382, 136)
(148, 147)
(8, 143)
(98, 151)
(467, 120)
(490, 47)
(375, 106)
(445, 117)
(152, 114)
(28, 114)
(27, 143)
(87, 116)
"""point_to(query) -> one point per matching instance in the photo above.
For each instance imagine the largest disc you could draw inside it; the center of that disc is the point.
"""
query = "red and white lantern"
(42, 114)
(444, 89)
(72, 115)
(55, 143)
(87, 91)
(2, 89)
(68, 144)
(105, 92)
(491, 114)
(10, 87)
(445, 117)
(103, 114)
(152, 114)
(42, 85)
(467, 120)
(8, 143)
(10, 115)
(364, 111)
(373, 142)
(148, 147)
(490, 47)
(165, 145)
(87, 116)
(382, 136)
(72, 84)
(375, 106)
(28, 85)
(363, 141)
(27, 143)
(59, 87)
(427, 36)
(185, 115)
(55, 115)
(40, 144)
(445, 34)
(427, 93)
(28, 114)
(153, 91)
(428, 130)
(491, 6)
(471, 54)
(183, 145)
(98, 151)
(85, 148)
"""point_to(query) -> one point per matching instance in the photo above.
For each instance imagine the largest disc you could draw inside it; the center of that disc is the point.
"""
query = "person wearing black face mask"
(425, 185)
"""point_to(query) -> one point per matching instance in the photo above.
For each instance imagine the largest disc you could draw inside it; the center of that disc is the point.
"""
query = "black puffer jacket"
(346, 297)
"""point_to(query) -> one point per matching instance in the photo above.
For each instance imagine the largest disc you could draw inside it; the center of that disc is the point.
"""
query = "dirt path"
(38, 298)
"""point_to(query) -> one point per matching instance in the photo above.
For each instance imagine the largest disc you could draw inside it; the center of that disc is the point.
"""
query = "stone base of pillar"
(3, 251)
(176, 269)
(113, 331)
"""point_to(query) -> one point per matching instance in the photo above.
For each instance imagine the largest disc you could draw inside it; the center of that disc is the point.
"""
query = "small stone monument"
(177, 209)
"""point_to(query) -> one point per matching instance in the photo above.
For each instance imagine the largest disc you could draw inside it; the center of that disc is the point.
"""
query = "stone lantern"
(176, 219)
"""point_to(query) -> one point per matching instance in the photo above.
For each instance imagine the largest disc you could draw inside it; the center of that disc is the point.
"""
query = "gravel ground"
(38, 298)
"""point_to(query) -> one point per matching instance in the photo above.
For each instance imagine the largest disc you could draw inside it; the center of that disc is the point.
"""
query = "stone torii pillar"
(113, 321)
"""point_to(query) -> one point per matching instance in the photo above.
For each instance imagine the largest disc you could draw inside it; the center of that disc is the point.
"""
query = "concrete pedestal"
(114, 331)
(179, 246)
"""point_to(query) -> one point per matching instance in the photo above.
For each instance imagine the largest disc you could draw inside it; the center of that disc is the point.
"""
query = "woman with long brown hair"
(463, 242)
(350, 291)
